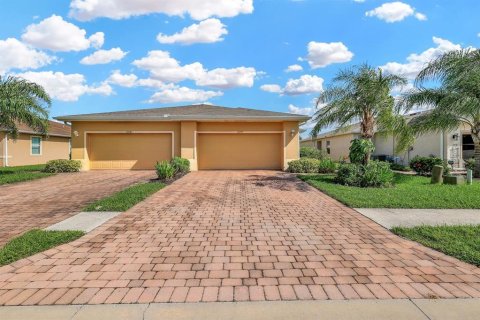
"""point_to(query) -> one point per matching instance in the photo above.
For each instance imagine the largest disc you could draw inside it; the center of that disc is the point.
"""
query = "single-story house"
(210, 137)
(451, 146)
(32, 147)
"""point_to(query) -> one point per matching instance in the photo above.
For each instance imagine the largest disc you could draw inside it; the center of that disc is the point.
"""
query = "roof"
(187, 113)
(56, 129)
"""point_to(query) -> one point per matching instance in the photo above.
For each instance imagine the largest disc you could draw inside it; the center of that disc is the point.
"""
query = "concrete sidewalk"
(416, 217)
(421, 309)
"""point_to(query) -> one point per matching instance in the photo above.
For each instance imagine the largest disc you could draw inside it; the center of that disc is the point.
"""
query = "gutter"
(185, 118)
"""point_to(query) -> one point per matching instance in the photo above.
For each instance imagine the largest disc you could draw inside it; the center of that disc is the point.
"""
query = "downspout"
(5, 163)
(442, 147)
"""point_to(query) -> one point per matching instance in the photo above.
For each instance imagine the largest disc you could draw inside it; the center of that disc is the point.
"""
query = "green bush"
(399, 167)
(424, 165)
(181, 165)
(470, 164)
(327, 166)
(304, 165)
(62, 165)
(165, 171)
(375, 174)
(359, 149)
(313, 153)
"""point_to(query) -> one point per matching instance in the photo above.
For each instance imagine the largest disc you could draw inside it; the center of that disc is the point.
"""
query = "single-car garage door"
(239, 151)
(128, 150)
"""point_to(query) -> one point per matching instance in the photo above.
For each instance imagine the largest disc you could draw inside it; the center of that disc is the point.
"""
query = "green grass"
(35, 241)
(22, 173)
(462, 242)
(408, 192)
(127, 198)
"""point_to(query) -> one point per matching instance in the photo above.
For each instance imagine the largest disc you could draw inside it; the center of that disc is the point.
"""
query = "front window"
(328, 147)
(36, 145)
(319, 144)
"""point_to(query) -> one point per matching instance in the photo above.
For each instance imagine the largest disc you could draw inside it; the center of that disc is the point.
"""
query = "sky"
(99, 56)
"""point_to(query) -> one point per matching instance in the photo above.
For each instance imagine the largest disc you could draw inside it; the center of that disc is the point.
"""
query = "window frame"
(40, 148)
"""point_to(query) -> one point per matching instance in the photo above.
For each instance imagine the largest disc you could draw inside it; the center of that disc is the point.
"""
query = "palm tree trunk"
(476, 141)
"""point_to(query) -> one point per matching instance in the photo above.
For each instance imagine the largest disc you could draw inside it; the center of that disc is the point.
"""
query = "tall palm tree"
(360, 94)
(453, 96)
(22, 101)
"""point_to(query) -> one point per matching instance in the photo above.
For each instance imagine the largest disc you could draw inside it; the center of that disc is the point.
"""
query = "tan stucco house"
(210, 137)
(31, 147)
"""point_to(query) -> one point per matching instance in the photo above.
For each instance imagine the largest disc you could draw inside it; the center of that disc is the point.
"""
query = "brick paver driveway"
(43, 202)
(236, 236)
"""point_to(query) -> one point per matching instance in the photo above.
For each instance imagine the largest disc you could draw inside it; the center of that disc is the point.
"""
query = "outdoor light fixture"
(75, 133)
(292, 132)
(455, 137)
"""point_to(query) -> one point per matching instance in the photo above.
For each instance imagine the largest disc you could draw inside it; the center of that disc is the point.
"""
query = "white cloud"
(395, 12)
(56, 34)
(66, 87)
(322, 54)
(303, 111)
(123, 80)
(294, 68)
(183, 94)
(273, 88)
(197, 9)
(16, 55)
(207, 31)
(359, 1)
(104, 56)
(167, 69)
(416, 62)
(306, 84)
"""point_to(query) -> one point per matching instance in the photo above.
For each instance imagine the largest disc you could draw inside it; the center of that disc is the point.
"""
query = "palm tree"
(360, 94)
(454, 98)
(22, 101)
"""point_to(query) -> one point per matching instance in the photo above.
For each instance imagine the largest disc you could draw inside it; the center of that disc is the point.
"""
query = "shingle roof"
(186, 113)
(55, 129)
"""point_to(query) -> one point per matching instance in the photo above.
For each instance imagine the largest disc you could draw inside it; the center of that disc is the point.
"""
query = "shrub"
(424, 165)
(181, 165)
(327, 166)
(313, 153)
(470, 164)
(375, 174)
(304, 165)
(359, 149)
(63, 165)
(165, 171)
(399, 167)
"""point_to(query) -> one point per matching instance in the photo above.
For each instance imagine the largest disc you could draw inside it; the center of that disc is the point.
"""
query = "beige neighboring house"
(210, 137)
(450, 146)
(31, 147)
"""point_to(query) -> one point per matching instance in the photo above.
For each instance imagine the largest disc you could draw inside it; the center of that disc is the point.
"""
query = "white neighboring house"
(454, 146)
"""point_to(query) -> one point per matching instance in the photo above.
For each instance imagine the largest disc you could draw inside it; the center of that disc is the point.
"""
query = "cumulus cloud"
(167, 69)
(104, 56)
(395, 12)
(197, 9)
(207, 31)
(294, 68)
(322, 54)
(417, 61)
(306, 84)
(183, 94)
(16, 55)
(56, 34)
(66, 87)
(298, 110)
(123, 80)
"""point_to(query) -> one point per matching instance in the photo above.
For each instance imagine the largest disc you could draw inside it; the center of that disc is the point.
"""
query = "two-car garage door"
(128, 150)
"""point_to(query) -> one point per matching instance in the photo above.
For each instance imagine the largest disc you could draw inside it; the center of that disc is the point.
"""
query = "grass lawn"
(462, 242)
(127, 198)
(35, 241)
(22, 173)
(408, 192)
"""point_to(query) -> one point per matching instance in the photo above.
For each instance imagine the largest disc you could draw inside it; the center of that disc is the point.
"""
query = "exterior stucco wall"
(2, 149)
(19, 150)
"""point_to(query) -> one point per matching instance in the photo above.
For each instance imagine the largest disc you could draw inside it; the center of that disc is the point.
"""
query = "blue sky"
(95, 57)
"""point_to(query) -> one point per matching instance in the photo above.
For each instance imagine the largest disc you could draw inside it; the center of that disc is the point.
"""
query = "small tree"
(22, 101)
(361, 94)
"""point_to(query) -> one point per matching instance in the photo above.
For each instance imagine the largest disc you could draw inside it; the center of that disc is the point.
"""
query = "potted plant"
(470, 166)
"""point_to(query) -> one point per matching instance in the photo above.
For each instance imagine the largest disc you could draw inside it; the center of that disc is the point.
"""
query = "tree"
(22, 101)
(453, 98)
(360, 94)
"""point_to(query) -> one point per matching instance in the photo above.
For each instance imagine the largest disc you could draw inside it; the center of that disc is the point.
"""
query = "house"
(210, 137)
(32, 147)
(454, 146)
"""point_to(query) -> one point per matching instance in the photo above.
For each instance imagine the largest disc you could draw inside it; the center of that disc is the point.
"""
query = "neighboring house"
(31, 147)
(211, 137)
(450, 146)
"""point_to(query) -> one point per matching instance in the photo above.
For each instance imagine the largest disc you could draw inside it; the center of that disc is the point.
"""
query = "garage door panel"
(239, 151)
(128, 150)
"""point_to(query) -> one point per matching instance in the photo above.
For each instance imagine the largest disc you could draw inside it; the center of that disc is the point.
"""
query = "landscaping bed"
(462, 242)
(407, 192)
(22, 173)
